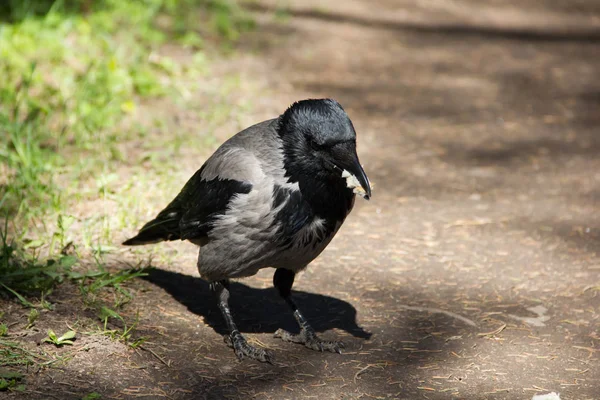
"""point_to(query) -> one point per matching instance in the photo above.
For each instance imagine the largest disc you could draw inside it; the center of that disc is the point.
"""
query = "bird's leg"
(283, 281)
(235, 339)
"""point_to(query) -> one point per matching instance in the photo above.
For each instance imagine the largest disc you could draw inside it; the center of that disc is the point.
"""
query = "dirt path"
(474, 271)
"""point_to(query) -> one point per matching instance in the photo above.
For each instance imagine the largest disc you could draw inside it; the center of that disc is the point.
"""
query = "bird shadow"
(257, 310)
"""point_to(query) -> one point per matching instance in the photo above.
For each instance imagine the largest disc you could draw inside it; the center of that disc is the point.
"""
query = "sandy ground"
(473, 273)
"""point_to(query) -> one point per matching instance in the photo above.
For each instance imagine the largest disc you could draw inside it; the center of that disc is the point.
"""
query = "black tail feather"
(164, 227)
(145, 238)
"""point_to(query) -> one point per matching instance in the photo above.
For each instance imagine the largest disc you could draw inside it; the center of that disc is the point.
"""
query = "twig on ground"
(439, 311)
(494, 332)
(155, 355)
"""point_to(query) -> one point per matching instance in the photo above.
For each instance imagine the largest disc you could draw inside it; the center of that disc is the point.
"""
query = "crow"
(273, 195)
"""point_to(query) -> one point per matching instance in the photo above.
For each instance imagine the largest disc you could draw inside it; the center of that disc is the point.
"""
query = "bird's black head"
(319, 144)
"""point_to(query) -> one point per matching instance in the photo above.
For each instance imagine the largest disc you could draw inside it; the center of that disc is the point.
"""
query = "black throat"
(326, 195)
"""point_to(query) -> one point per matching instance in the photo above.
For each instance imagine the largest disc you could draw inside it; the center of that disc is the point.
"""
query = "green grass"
(13, 353)
(29, 282)
(76, 76)
(23, 274)
(72, 72)
(10, 380)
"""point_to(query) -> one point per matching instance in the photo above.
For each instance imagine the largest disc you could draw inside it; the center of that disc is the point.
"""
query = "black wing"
(191, 214)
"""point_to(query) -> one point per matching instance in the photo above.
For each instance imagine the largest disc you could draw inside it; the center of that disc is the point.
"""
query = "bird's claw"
(309, 338)
(244, 350)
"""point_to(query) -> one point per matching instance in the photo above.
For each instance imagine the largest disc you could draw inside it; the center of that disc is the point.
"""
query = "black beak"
(346, 159)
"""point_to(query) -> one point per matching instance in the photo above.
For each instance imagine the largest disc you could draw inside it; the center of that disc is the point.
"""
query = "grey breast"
(243, 239)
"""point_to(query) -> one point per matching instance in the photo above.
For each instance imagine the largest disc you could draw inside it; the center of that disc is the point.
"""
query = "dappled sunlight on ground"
(474, 270)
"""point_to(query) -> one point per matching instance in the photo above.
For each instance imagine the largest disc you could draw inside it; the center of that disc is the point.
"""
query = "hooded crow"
(274, 195)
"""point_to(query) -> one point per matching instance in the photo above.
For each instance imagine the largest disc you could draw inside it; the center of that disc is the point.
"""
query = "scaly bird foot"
(309, 338)
(243, 350)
